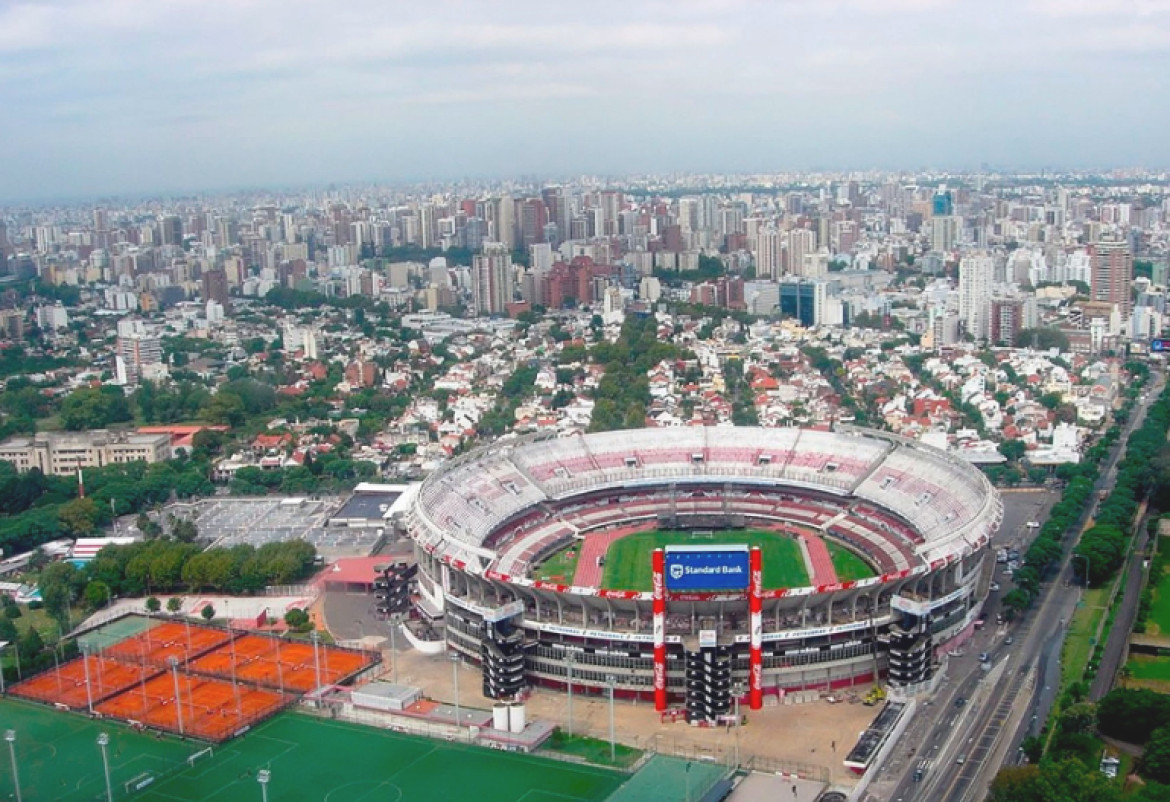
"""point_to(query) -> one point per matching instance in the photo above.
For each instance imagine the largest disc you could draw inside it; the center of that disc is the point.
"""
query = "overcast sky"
(133, 96)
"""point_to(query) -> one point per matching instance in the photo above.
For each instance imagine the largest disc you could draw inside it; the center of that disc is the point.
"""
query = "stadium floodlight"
(455, 673)
(262, 777)
(103, 742)
(570, 658)
(611, 681)
(88, 689)
(178, 699)
(10, 736)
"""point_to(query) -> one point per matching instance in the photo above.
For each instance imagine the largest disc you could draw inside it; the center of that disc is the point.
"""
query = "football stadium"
(696, 566)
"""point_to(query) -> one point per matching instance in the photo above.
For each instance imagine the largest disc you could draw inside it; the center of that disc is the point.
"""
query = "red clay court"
(67, 686)
(155, 646)
(208, 708)
(227, 680)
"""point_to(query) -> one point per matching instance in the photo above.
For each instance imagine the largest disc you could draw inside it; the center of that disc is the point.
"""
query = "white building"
(975, 275)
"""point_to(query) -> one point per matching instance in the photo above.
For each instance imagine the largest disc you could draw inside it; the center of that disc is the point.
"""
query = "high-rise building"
(944, 233)
(491, 279)
(135, 352)
(798, 243)
(1111, 271)
(975, 274)
(172, 230)
(768, 252)
(215, 287)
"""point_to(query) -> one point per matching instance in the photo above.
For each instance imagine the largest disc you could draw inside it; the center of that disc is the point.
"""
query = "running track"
(820, 564)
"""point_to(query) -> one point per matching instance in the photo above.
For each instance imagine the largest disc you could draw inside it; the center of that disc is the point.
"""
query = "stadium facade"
(918, 517)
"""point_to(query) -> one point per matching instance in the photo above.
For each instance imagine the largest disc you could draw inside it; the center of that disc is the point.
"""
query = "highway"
(960, 748)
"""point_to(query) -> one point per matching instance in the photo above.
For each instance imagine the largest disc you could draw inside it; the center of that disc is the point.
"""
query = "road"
(963, 747)
(1115, 646)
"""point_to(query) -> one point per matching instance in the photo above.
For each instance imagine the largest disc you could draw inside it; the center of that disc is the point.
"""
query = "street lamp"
(361, 630)
(394, 622)
(103, 742)
(454, 657)
(611, 681)
(737, 691)
(178, 699)
(10, 736)
(262, 777)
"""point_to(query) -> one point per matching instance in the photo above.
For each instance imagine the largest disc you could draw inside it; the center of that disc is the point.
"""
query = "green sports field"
(849, 566)
(58, 757)
(319, 760)
(627, 563)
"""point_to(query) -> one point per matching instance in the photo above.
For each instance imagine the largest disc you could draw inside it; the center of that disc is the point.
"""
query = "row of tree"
(171, 566)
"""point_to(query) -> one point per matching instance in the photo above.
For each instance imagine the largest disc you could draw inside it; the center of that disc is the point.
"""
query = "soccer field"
(58, 757)
(320, 760)
(627, 563)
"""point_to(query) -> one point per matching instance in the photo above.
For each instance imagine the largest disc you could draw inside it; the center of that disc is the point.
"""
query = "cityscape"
(653, 402)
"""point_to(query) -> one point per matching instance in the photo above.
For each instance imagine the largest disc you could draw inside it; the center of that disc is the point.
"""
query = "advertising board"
(699, 568)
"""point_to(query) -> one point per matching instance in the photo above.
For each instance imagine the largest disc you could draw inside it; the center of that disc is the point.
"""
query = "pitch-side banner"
(706, 568)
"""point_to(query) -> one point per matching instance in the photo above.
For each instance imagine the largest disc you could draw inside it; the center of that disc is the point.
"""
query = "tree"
(96, 594)
(1012, 449)
(94, 408)
(208, 612)
(184, 530)
(174, 604)
(1132, 714)
(297, 620)
(1155, 762)
(80, 516)
(1016, 601)
(59, 585)
(153, 605)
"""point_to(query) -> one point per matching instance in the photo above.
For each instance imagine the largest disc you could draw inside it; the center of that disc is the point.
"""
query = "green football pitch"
(627, 563)
(319, 760)
(58, 757)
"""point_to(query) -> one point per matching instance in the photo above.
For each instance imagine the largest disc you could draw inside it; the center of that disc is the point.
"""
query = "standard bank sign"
(703, 568)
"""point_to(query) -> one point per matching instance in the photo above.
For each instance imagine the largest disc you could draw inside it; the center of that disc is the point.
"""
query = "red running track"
(821, 569)
(595, 545)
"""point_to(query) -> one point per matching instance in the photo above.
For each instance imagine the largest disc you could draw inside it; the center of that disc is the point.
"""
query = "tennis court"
(206, 708)
(58, 756)
(226, 681)
(321, 760)
(170, 639)
(669, 779)
(81, 682)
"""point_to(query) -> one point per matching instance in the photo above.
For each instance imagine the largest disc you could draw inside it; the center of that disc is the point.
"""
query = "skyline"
(132, 98)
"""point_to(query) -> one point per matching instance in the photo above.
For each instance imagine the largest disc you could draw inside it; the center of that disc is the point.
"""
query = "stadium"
(693, 567)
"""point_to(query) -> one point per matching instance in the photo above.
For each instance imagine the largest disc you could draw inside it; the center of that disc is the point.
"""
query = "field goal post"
(137, 783)
(709, 534)
(195, 757)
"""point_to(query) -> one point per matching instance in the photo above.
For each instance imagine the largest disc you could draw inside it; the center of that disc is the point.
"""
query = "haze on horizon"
(144, 96)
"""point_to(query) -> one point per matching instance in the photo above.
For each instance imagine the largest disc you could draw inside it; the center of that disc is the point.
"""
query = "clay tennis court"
(66, 685)
(206, 708)
(280, 664)
(157, 645)
(226, 680)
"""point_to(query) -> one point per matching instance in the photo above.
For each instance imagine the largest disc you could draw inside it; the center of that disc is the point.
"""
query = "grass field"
(1158, 622)
(592, 750)
(849, 566)
(58, 757)
(1148, 667)
(627, 563)
(561, 567)
(319, 760)
(1082, 631)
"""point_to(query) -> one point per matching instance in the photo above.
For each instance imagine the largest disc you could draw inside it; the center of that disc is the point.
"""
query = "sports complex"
(196, 681)
(694, 566)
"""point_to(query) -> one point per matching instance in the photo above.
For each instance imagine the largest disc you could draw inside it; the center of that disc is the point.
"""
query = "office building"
(1111, 271)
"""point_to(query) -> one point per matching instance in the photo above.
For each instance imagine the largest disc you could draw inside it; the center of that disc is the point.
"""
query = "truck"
(876, 694)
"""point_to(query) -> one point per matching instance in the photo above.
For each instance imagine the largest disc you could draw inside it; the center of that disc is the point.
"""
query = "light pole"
(611, 681)
(178, 699)
(361, 631)
(262, 777)
(738, 690)
(455, 673)
(103, 742)
(88, 689)
(394, 647)
(569, 659)
(10, 736)
(316, 659)
(2, 691)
